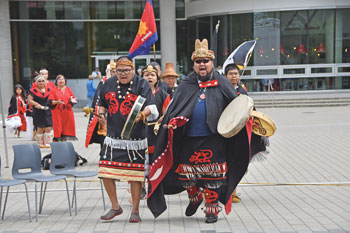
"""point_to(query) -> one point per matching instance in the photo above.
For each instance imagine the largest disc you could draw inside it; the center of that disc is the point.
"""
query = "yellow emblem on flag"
(142, 28)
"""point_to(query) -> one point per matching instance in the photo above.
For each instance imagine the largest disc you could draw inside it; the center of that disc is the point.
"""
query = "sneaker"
(211, 218)
(111, 214)
(235, 199)
(135, 218)
(192, 208)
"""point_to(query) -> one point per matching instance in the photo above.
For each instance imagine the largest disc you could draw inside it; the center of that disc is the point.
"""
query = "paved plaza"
(303, 186)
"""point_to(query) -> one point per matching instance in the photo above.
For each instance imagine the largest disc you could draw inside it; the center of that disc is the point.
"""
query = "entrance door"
(140, 61)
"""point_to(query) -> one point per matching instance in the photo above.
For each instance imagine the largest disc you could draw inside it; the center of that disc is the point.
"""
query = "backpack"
(46, 161)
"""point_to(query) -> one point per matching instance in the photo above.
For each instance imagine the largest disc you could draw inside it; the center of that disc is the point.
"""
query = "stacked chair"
(8, 184)
(63, 158)
(27, 166)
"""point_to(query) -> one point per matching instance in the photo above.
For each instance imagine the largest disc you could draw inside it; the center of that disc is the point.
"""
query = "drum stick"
(90, 110)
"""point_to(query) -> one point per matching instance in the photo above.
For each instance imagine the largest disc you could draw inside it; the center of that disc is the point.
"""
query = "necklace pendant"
(202, 96)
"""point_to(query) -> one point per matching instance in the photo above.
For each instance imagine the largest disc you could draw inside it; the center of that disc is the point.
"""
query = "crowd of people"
(45, 108)
(175, 145)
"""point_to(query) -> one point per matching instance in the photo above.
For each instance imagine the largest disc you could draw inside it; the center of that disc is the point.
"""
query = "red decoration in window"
(282, 50)
(261, 50)
(301, 49)
(321, 48)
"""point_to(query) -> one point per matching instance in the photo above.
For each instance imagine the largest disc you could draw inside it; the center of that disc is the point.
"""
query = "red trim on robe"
(164, 162)
(90, 130)
(151, 149)
(249, 126)
(166, 103)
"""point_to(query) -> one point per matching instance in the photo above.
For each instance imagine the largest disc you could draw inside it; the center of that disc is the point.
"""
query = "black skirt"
(203, 162)
(42, 118)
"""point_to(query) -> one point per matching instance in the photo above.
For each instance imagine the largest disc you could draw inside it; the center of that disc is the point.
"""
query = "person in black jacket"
(190, 154)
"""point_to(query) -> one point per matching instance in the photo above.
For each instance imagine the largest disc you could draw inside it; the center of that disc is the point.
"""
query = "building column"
(168, 32)
(5, 55)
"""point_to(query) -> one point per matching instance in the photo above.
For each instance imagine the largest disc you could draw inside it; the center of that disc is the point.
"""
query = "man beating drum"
(190, 154)
(122, 158)
(257, 143)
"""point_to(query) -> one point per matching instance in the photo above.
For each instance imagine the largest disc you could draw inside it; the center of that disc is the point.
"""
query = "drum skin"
(235, 116)
(262, 124)
(130, 121)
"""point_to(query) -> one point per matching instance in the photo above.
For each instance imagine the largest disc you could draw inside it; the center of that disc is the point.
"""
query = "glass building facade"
(295, 50)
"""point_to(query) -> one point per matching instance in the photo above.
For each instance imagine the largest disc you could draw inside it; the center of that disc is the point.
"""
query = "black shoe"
(192, 208)
(211, 218)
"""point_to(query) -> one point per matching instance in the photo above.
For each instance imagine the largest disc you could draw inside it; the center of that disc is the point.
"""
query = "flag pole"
(244, 67)
(154, 51)
(4, 129)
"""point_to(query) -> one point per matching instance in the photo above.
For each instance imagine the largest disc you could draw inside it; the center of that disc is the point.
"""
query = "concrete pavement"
(303, 186)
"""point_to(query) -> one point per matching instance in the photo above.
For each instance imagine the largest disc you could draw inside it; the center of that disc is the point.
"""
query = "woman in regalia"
(17, 109)
(42, 100)
(161, 97)
(62, 115)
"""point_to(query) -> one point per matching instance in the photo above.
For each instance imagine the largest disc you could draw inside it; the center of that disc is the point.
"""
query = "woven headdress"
(201, 50)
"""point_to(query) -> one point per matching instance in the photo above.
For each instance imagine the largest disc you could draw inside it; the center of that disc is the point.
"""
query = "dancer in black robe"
(191, 154)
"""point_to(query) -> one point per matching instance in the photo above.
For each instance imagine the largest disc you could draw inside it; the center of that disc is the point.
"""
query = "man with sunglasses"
(123, 159)
(190, 154)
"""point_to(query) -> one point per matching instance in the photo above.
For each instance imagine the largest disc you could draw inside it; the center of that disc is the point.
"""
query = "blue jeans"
(89, 101)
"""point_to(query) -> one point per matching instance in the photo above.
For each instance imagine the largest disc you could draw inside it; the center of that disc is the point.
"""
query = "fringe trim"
(64, 138)
(196, 198)
(126, 144)
(266, 141)
(260, 157)
(208, 183)
(213, 169)
(212, 209)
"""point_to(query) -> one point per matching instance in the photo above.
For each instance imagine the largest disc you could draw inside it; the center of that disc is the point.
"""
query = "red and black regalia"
(95, 132)
(48, 84)
(162, 100)
(17, 108)
(123, 159)
(41, 117)
(164, 86)
(194, 156)
(63, 116)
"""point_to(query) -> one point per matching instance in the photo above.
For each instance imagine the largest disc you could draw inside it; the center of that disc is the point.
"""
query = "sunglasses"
(199, 61)
(123, 71)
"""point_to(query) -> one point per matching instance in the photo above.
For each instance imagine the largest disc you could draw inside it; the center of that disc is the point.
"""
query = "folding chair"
(28, 157)
(8, 183)
(63, 158)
